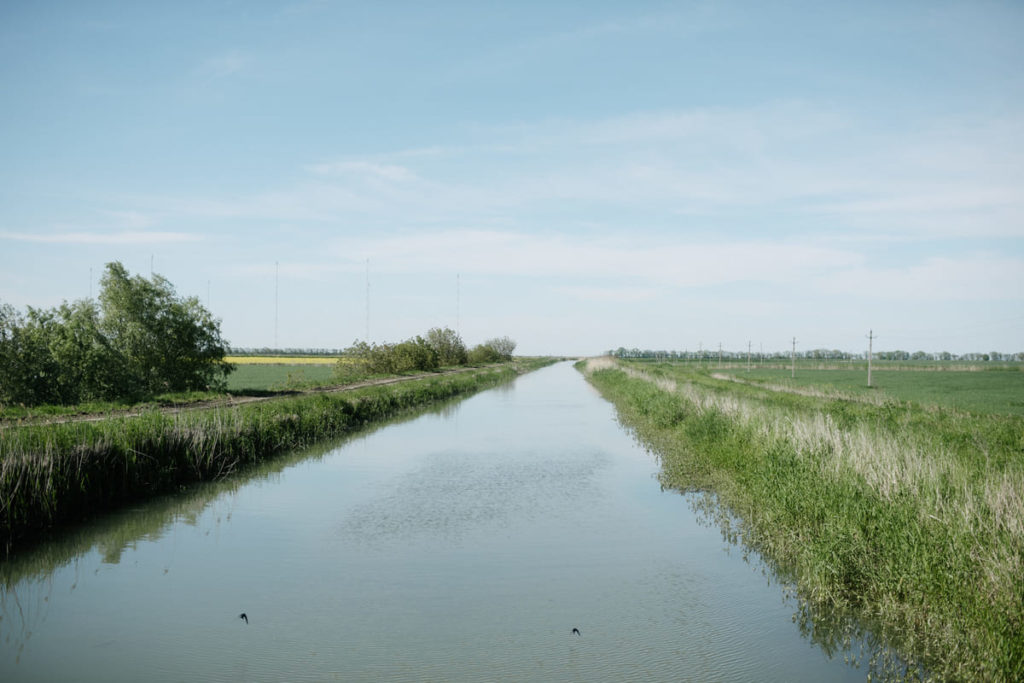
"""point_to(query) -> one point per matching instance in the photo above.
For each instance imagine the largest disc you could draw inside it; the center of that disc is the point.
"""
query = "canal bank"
(55, 474)
(464, 544)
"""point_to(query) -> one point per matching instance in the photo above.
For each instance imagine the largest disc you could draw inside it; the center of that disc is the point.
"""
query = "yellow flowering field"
(282, 360)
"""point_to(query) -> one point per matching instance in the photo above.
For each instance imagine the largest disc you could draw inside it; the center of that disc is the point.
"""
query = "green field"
(253, 377)
(995, 391)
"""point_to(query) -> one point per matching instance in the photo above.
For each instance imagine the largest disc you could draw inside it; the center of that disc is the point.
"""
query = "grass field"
(278, 377)
(992, 391)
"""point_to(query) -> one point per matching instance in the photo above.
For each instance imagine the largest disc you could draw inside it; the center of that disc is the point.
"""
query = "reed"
(906, 518)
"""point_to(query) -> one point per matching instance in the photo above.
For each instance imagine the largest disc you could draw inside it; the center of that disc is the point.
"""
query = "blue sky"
(577, 176)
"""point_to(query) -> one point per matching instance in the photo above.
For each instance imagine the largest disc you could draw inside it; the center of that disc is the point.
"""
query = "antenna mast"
(792, 360)
(276, 282)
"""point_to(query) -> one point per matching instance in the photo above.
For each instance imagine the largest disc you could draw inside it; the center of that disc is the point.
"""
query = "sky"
(578, 176)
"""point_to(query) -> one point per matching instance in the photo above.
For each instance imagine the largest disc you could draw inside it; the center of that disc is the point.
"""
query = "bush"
(492, 351)
(441, 348)
(140, 340)
(448, 346)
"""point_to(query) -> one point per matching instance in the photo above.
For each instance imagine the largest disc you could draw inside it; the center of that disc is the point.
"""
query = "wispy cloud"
(676, 263)
(970, 277)
(224, 65)
(622, 270)
(127, 237)
(391, 172)
(132, 220)
(610, 294)
(790, 168)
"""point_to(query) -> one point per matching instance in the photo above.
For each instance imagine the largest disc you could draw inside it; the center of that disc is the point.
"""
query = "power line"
(792, 360)
(871, 340)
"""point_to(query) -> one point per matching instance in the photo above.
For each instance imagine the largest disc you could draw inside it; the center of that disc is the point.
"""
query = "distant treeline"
(813, 354)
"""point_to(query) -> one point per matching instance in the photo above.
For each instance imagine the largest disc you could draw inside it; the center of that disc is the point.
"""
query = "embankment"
(60, 473)
(906, 519)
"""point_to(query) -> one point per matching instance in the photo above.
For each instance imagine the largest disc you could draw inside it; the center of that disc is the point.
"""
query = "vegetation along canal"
(464, 544)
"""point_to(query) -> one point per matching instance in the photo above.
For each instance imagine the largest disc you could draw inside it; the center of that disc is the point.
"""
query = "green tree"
(492, 351)
(447, 346)
(27, 369)
(413, 354)
(166, 343)
(88, 367)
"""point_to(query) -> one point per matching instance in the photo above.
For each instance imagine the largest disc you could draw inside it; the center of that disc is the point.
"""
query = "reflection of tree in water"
(860, 641)
(26, 576)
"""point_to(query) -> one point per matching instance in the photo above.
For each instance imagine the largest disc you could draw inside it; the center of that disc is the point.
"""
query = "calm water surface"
(464, 544)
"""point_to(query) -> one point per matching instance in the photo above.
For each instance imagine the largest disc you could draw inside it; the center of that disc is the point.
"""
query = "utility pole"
(792, 360)
(367, 301)
(90, 282)
(458, 303)
(871, 339)
(719, 355)
(276, 282)
(748, 355)
(700, 354)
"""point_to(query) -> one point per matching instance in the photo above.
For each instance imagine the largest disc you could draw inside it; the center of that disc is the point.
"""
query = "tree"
(141, 339)
(503, 345)
(167, 343)
(492, 351)
(447, 345)
(26, 366)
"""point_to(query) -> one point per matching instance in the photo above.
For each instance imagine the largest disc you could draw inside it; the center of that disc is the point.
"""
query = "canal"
(463, 544)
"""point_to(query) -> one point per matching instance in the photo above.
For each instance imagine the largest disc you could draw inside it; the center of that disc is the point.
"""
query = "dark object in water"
(243, 616)
(575, 631)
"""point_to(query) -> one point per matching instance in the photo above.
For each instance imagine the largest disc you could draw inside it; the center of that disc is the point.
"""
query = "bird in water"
(576, 631)
(244, 617)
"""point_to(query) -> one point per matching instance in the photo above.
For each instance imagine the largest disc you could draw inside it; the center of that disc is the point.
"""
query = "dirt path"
(229, 400)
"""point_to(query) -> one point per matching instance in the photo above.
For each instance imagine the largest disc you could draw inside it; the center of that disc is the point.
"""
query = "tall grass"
(909, 519)
(54, 474)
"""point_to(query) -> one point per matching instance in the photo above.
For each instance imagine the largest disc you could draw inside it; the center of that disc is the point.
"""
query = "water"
(464, 544)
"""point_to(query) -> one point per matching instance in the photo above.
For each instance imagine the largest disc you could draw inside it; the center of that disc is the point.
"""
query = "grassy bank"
(59, 473)
(908, 518)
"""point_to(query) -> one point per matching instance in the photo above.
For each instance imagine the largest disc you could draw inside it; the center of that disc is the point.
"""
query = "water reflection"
(463, 545)
(839, 633)
(26, 576)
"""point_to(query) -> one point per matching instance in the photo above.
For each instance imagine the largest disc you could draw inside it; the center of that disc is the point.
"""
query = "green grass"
(247, 380)
(892, 516)
(992, 391)
(255, 377)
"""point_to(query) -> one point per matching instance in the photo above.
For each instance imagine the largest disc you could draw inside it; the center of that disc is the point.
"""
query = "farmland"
(282, 360)
(276, 373)
(990, 391)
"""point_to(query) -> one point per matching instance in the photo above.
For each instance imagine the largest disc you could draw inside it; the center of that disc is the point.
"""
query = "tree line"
(441, 347)
(812, 354)
(139, 340)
